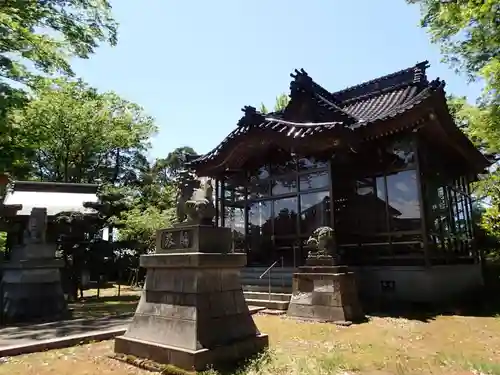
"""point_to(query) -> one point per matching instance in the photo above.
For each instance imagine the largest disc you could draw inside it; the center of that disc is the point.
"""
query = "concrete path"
(15, 340)
(29, 334)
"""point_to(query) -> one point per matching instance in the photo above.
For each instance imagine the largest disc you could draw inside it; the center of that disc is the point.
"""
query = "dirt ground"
(453, 345)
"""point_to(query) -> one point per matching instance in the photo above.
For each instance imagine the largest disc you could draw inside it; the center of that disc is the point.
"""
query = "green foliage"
(167, 169)
(57, 129)
(37, 39)
(75, 134)
(3, 242)
(44, 35)
(282, 101)
(155, 201)
(140, 225)
(468, 33)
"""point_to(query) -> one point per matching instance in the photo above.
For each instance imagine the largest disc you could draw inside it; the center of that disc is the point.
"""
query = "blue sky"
(194, 64)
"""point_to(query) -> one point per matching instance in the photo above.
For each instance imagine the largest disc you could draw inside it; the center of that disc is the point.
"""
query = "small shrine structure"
(31, 281)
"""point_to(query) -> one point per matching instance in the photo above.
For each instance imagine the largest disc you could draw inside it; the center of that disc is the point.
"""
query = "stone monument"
(323, 290)
(31, 283)
(192, 312)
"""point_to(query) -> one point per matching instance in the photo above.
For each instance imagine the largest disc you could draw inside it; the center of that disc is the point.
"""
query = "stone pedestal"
(31, 285)
(325, 292)
(192, 312)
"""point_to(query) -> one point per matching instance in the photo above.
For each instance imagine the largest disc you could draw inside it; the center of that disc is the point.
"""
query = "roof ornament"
(301, 80)
(251, 117)
(419, 75)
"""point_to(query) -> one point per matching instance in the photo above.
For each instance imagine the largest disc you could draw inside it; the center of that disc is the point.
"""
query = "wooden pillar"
(478, 253)
(421, 200)
(222, 201)
(217, 201)
(245, 215)
(332, 203)
(332, 209)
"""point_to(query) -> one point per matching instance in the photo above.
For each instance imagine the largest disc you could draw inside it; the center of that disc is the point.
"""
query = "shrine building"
(382, 163)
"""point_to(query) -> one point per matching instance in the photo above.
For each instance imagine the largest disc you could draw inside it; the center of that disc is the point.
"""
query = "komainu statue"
(195, 203)
(322, 239)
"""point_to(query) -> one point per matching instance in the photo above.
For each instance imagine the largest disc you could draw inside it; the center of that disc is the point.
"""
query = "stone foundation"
(325, 293)
(417, 284)
(31, 282)
(32, 291)
(192, 312)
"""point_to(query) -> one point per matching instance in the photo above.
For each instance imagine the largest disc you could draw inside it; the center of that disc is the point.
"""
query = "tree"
(167, 169)
(140, 226)
(3, 242)
(282, 101)
(153, 209)
(76, 134)
(468, 33)
(79, 234)
(46, 34)
(38, 38)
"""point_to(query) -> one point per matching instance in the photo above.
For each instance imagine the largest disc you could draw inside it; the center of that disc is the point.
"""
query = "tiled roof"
(55, 197)
(374, 100)
(348, 109)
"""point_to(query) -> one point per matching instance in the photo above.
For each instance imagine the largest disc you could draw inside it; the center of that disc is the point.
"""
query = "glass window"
(311, 163)
(407, 244)
(259, 232)
(369, 207)
(314, 180)
(284, 185)
(403, 154)
(234, 194)
(404, 207)
(285, 216)
(286, 166)
(258, 188)
(263, 173)
(314, 211)
(234, 218)
(259, 219)
(234, 189)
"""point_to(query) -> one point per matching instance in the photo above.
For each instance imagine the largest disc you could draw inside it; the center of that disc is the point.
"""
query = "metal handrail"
(268, 269)
(268, 272)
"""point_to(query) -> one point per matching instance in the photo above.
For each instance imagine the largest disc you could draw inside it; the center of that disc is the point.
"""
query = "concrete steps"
(267, 296)
(269, 304)
(272, 291)
(272, 301)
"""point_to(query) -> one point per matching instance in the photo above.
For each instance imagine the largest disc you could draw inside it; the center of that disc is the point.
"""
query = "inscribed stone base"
(192, 312)
(197, 360)
(32, 291)
(325, 293)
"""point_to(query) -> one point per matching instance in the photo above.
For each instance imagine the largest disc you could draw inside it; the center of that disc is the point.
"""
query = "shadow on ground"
(481, 303)
(18, 334)
(93, 307)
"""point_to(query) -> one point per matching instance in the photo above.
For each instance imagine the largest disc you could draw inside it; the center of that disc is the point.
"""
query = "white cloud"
(408, 209)
(402, 187)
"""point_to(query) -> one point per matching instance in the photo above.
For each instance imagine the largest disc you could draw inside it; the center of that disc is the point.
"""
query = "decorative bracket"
(251, 117)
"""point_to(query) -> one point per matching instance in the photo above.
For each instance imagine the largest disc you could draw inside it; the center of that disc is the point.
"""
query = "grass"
(445, 345)
(107, 304)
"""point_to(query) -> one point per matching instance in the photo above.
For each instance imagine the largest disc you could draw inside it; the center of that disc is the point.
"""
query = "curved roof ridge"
(303, 82)
(412, 75)
(303, 124)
